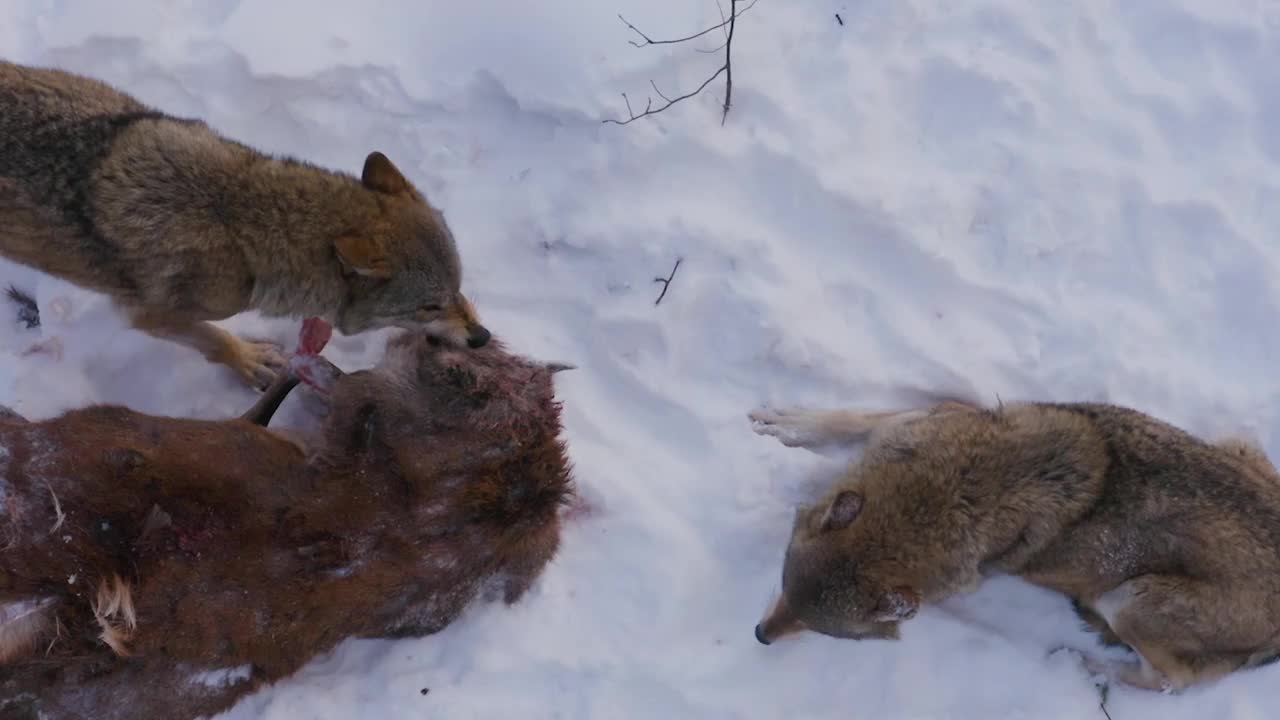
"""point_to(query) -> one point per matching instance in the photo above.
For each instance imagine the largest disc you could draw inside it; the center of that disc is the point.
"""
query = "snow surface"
(1030, 200)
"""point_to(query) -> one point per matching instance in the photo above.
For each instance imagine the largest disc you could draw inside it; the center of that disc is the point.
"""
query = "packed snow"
(1023, 200)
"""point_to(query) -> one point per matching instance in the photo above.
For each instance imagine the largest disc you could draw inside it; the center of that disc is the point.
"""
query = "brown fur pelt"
(167, 567)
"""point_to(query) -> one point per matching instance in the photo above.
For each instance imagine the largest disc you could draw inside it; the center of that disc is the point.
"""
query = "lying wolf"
(1166, 543)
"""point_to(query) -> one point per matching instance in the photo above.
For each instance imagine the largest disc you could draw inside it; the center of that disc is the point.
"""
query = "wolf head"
(840, 577)
(402, 267)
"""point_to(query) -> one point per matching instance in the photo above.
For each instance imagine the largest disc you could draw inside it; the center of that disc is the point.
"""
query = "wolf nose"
(479, 337)
(760, 636)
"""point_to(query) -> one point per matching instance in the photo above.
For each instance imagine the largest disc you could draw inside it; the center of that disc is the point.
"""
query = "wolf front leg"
(255, 362)
(795, 427)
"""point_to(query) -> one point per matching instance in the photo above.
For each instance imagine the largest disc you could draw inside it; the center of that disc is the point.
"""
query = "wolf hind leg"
(1186, 631)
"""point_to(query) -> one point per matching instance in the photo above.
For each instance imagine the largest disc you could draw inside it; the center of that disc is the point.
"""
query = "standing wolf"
(1166, 543)
(180, 226)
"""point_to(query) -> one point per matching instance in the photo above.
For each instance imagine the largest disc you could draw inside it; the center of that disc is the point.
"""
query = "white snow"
(14, 611)
(222, 677)
(1029, 200)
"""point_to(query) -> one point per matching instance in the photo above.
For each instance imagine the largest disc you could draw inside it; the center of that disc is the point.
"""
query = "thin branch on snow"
(666, 281)
(1102, 700)
(725, 69)
(655, 89)
(720, 9)
(650, 41)
(723, 22)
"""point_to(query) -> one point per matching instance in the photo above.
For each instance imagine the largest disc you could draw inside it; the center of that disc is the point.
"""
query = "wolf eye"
(432, 308)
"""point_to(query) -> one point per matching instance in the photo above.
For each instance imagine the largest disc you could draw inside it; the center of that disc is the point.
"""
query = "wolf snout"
(477, 336)
(779, 622)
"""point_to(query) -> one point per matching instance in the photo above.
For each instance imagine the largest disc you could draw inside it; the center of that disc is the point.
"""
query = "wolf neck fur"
(291, 232)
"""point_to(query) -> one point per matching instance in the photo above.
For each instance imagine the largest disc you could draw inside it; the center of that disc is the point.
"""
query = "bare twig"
(724, 23)
(726, 69)
(649, 110)
(666, 281)
(839, 20)
(28, 311)
(655, 89)
(650, 41)
(720, 9)
(1102, 699)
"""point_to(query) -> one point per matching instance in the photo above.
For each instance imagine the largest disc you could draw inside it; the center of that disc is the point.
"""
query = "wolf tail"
(28, 311)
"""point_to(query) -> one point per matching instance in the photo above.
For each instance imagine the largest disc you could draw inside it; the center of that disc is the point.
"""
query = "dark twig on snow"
(726, 69)
(28, 311)
(666, 281)
(1102, 699)
(839, 20)
(650, 41)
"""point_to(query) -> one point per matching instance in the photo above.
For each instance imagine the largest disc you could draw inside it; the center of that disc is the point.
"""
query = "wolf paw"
(792, 427)
(257, 362)
(1106, 673)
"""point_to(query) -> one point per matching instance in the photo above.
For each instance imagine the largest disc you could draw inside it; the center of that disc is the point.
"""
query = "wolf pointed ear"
(363, 256)
(381, 175)
(842, 511)
(897, 604)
